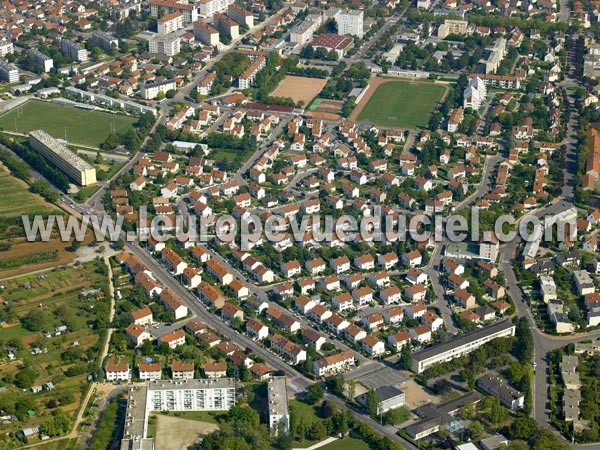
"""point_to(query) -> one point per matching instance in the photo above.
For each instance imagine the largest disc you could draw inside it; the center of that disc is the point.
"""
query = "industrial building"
(459, 346)
(63, 158)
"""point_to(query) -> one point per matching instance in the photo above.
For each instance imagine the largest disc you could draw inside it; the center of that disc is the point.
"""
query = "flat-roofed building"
(498, 387)
(189, 11)
(350, 21)
(63, 158)
(105, 41)
(73, 50)
(279, 414)
(169, 45)
(171, 395)
(452, 26)
(9, 72)
(208, 8)
(461, 345)
(41, 59)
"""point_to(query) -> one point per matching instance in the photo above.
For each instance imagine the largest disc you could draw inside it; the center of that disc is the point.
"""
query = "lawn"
(16, 200)
(346, 444)
(82, 127)
(402, 104)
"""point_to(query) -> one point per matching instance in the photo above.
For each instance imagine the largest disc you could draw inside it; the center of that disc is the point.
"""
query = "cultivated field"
(35, 306)
(175, 433)
(399, 103)
(16, 200)
(299, 88)
(83, 127)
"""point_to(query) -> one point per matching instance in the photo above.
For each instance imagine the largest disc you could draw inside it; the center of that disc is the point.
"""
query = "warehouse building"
(63, 158)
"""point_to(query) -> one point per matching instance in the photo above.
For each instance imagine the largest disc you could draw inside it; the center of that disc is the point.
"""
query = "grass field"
(346, 444)
(16, 200)
(402, 104)
(82, 126)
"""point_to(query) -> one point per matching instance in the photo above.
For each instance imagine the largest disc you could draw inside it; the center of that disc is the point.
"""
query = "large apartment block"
(151, 90)
(460, 346)
(6, 47)
(63, 158)
(451, 26)
(279, 415)
(240, 15)
(208, 8)
(41, 59)
(73, 50)
(167, 395)
(9, 72)
(170, 23)
(105, 41)
(206, 33)
(164, 45)
(350, 21)
(246, 79)
(190, 12)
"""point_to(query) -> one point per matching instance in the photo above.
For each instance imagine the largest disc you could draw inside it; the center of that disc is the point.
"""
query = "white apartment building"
(451, 26)
(170, 23)
(206, 33)
(241, 15)
(350, 21)
(40, 59)
(189, 11)
(459, 346)
(9, 72)
(151, 91)
(63, 158)
(303, 32)
(279, 414)
(474, 94)
(164, 45)
(192, 395)
(167, 395)
(6, 47)
(73, 50)
(105, 40)
(207, 8)
(246, 79)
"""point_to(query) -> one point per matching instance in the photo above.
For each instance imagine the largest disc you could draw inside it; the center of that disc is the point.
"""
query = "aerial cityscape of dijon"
(300, 225)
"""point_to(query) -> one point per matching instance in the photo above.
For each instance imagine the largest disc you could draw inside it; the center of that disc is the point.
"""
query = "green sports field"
(346, 444)
(83, 127)
(402, 104)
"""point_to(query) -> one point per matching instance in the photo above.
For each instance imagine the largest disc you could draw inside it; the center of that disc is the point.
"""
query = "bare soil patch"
(175, 433)
(299, 88)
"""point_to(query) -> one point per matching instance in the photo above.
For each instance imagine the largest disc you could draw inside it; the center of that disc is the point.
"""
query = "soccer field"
(402, 104)
(82, 126)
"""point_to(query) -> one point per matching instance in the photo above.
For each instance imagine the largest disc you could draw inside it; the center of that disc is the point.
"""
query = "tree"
(25, 378)
(317, 431)
(328, 409)
(476, 430)
(314, 394)
(371, 402)
(405, 356)
(523, 428)
(468, 412)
